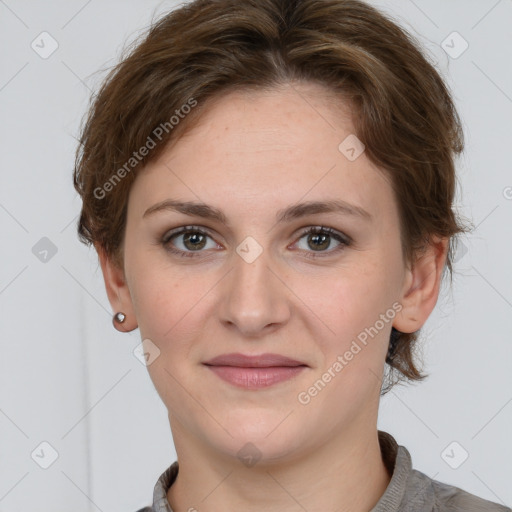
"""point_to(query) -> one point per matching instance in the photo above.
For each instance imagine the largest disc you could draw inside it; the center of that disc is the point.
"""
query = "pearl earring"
(118, 318)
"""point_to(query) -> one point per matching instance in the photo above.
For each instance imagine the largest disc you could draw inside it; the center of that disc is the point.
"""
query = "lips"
(254, 372)
(247, 361)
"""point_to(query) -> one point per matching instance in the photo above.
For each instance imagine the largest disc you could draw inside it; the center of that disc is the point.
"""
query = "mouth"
(255, 372)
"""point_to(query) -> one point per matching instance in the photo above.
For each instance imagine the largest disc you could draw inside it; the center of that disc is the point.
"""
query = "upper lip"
(248, 361)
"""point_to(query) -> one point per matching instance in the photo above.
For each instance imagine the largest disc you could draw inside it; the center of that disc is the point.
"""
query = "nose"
(254, 298)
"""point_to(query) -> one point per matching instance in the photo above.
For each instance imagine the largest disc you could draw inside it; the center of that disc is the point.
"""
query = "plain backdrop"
(70, 381)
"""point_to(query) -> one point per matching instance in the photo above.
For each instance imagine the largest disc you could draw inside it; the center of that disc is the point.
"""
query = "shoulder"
(411, 490)
(448, 498)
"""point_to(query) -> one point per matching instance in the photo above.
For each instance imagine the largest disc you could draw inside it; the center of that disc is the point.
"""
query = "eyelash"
(344, 240)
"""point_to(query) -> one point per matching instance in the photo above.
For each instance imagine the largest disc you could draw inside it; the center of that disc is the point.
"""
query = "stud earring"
(118, 318)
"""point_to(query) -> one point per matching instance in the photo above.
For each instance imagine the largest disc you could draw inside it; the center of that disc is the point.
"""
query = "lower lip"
(255, 378)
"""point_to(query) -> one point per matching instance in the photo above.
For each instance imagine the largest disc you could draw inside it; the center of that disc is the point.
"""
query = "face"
(256, 282)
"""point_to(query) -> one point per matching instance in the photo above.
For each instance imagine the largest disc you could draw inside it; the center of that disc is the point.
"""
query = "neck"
(345, 473)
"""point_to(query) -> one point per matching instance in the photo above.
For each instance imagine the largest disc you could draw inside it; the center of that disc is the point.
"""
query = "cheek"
(170, 310)
(350, 305)
(346, 299)
(174, 304)
(165, 305)
(159, 292)
(351, 302)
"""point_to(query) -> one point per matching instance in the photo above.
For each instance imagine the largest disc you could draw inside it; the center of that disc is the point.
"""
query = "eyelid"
(326, 229)
(183, 229)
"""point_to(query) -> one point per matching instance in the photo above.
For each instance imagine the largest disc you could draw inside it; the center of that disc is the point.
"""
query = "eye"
(193, 239)
(320, 238)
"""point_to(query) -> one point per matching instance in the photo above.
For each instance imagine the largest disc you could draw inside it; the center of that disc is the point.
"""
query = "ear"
(117, 290)
(421, 286)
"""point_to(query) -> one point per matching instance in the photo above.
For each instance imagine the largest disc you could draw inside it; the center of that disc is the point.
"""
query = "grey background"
(69, 379)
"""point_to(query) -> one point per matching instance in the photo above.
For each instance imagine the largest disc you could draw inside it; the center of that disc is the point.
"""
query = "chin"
(272, 435)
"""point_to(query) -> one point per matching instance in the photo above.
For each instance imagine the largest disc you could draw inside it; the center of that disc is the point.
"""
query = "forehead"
(253, 149)
(282, 117)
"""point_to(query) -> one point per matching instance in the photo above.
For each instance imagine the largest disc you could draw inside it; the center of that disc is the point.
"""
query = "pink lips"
(253, 372)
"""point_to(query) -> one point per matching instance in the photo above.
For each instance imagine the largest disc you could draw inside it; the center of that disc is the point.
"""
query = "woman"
(269, 187)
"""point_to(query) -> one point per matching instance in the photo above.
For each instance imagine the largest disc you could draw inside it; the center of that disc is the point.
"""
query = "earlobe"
(421, 286)
(117, 290)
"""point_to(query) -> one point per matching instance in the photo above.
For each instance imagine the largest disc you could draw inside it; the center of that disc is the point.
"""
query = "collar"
(399, 464)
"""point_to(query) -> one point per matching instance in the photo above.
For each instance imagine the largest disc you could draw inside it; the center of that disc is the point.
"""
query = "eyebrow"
(285, 215)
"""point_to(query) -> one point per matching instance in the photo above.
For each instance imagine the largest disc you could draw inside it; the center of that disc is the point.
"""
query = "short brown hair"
(403, 111)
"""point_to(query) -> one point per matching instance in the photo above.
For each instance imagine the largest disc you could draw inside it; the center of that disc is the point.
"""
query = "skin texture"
(253, 154)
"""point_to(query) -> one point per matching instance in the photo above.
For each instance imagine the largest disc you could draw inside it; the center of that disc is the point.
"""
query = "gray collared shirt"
(408, 491)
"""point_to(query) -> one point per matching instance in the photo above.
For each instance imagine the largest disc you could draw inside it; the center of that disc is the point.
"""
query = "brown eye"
(319, 239)
(194, 241)
(187, 241)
